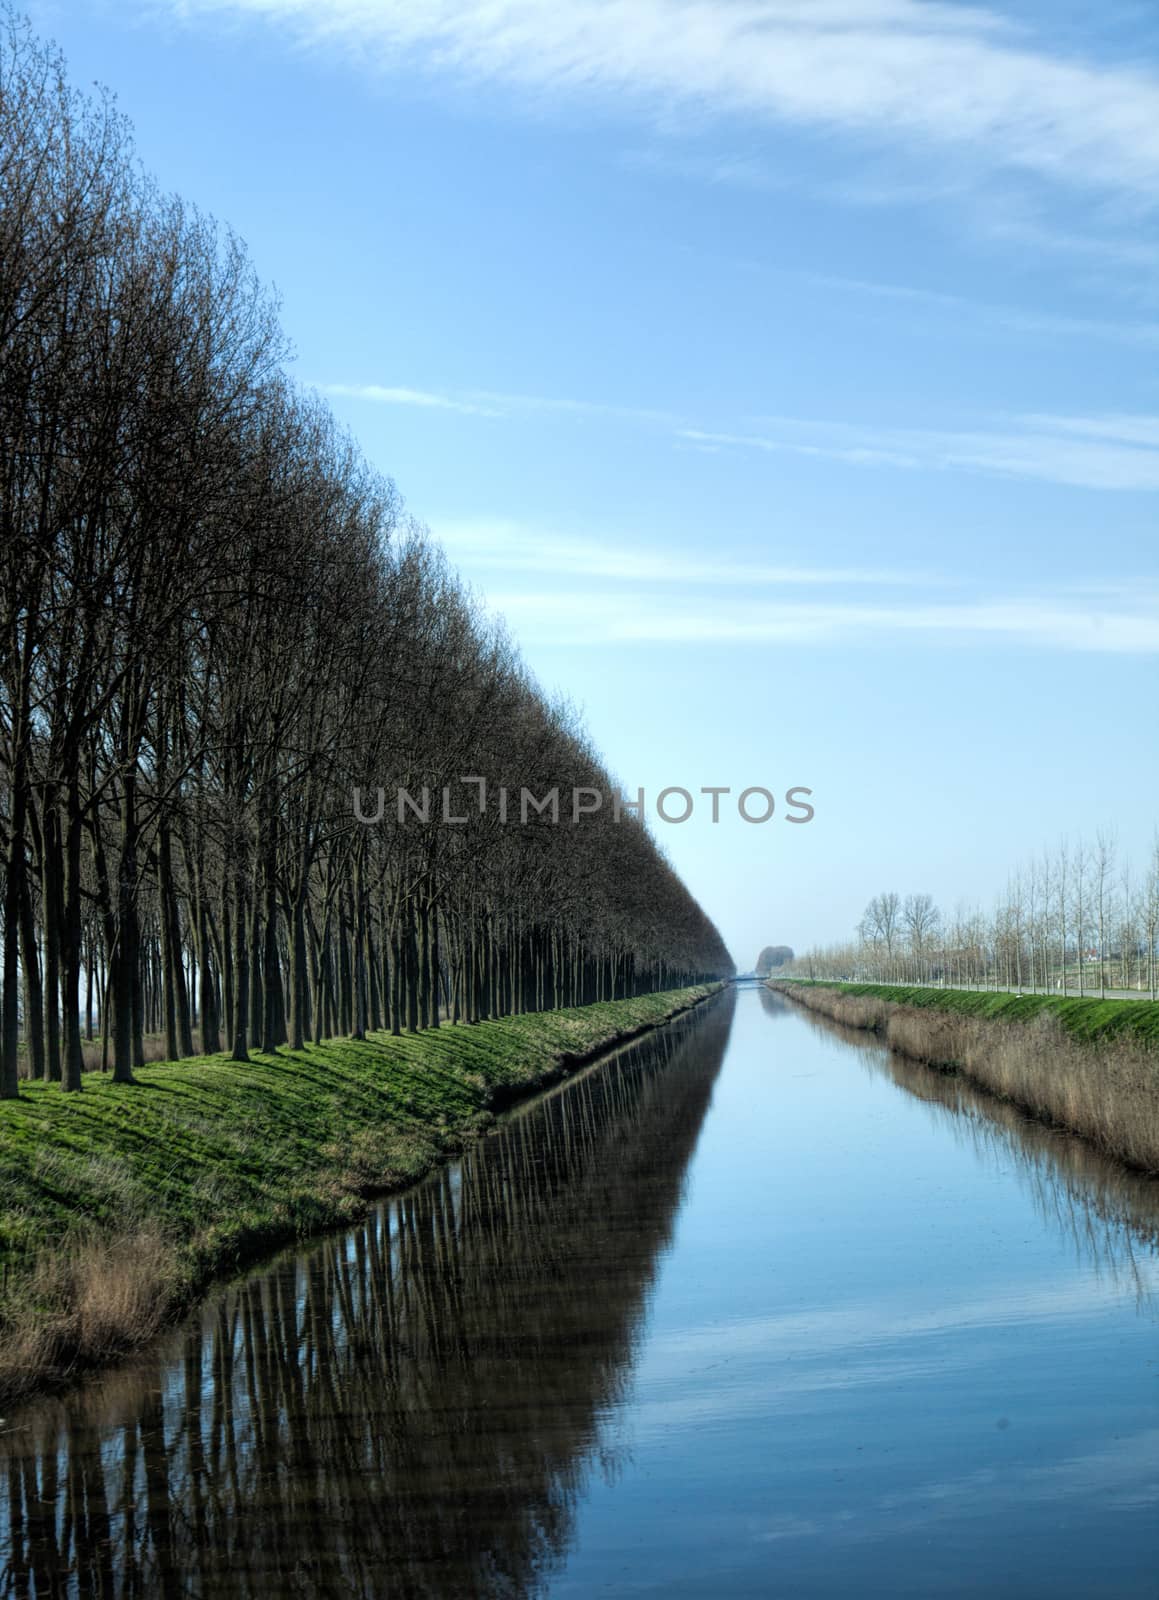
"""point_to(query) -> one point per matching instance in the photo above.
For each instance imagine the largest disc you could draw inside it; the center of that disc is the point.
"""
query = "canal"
(751, 1308)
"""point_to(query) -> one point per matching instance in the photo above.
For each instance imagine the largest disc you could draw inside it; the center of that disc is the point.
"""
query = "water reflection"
(1109, 1213)
(775, 1005)
(409, 1409)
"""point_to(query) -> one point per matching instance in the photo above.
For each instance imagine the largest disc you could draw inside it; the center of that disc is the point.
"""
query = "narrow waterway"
(752, 1308)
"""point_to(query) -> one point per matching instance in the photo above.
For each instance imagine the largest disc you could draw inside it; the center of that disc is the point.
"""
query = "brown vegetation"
(86, 1304)
(1107, 1091)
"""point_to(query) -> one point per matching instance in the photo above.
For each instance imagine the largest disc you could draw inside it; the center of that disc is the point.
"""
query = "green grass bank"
(1088, 1065)
(1088, 1020)
(119, 1204)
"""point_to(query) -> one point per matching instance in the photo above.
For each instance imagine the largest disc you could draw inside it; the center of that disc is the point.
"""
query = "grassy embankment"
(117, 1205)
(1091, 1066)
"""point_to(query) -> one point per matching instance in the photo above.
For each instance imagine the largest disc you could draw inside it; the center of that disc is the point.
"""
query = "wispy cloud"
(907, 71)
(569, 589)
(1046, 622)
(491, 403)
(1107, 253)
(867, 448)
(500, 545)
(953, 308)
(1109, 453)
(1118, 451)
(426, 400)
(735, 171)
(1122, 429)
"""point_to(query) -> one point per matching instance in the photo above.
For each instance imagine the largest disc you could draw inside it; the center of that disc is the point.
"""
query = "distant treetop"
(772, 956)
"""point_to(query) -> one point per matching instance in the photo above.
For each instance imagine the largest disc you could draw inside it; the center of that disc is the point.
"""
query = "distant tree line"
(215, 622)
(772, 957)
(1077, 920)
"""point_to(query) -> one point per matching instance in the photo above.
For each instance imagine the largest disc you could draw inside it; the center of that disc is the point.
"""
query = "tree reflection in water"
(1110, 1213)
(410, 1408)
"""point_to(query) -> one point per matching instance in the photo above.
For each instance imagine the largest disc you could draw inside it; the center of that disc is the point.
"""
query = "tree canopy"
(772, 957)
(216, 621)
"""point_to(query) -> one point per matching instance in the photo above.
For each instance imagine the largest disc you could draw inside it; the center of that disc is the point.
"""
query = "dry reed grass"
(153, 1049)
(1107, 1091)
(94, 1299)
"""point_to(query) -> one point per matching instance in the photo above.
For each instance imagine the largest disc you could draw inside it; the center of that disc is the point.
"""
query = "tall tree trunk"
(241, 967)
(72, 935)
(358, 950)
(256, 975)
(273, 1030)
(210, 1026)
(51, 897)
(299, 971)
(168, 955)
(33, 994)
(15, 892)
(411, 963)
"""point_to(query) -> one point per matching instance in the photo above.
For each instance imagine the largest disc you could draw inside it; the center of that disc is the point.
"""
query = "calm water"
(751, 1309)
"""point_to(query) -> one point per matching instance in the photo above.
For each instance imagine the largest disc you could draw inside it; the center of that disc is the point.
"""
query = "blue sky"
(787, 373)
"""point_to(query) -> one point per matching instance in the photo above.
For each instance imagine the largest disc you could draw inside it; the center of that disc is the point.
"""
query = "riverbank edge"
(99, 1286)
(1086, 1018)
(1088, 1067)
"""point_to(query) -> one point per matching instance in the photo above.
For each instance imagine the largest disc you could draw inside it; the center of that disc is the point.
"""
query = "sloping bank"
(119, 1204)
(1091, 1066)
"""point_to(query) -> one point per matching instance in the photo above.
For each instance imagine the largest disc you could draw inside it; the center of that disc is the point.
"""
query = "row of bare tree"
(1079, 919)
(215, 622)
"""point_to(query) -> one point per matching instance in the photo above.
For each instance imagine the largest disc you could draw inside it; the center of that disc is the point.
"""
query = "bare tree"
(921, 920)
(217, 621)
(1103, 881)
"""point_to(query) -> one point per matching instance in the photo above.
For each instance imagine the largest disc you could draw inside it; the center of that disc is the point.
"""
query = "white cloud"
(491, 403)
(424, 399)
(1132, 430)
(581, 590)
(497, 544)
(509, 403)
(1002, 318)
(594, 616)
(1110, 453)
(1098, 249)
(901, 70)
(868, 449)
(737, 172)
